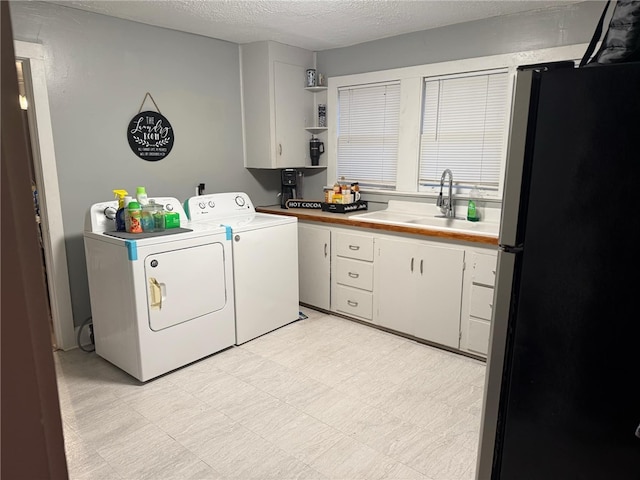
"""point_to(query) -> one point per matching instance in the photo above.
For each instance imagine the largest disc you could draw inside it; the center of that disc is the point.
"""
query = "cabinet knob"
(279, 149)
(325, 250)
(412, 264)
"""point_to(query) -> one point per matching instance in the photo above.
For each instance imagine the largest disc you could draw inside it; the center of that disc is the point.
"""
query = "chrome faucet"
(446, 204)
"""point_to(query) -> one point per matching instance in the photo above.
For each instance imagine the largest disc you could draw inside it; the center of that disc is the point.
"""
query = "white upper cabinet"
(276, 107)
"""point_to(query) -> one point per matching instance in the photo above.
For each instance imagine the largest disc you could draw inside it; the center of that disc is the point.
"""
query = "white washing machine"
(158, 300)
(265, 260)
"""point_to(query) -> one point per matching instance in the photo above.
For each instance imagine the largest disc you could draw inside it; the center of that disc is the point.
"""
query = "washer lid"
(256, 221)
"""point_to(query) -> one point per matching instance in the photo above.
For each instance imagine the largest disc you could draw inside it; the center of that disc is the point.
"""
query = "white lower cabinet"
(352, 274)
(419, 289)
(477, 302)
(314, 265)
(438, 292)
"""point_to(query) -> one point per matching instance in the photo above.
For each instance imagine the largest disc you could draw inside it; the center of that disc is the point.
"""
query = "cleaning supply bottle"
(135, 217)
(141, 196)
(127, 222)
(472, 207)
(120, 194)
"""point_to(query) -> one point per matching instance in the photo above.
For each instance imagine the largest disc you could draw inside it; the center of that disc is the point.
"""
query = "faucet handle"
(439, 201)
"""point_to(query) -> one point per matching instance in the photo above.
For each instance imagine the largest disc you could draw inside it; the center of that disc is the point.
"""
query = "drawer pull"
(421, 262)
(354, 275)
(411, 264)
(325, 250)
(352, 303)
(354, 247)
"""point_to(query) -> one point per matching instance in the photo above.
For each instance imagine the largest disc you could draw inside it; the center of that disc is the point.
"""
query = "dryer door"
(184, 284)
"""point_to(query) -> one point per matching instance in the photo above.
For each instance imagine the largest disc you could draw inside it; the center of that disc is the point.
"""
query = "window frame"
(411, 100)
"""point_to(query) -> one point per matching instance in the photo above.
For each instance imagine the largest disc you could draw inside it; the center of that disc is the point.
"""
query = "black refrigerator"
(562, 392)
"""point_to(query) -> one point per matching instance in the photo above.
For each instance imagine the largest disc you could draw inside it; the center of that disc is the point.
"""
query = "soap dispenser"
(472, 207)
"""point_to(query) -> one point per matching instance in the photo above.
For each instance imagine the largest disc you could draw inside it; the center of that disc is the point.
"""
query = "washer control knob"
(168, 207)
(110, 213)
(212, 203)
(202, 205)
(240, 201)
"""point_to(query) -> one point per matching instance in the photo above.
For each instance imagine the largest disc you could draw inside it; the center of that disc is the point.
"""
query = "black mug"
(316, 148)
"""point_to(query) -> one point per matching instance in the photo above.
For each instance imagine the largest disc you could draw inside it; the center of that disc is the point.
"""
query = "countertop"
(317, 215)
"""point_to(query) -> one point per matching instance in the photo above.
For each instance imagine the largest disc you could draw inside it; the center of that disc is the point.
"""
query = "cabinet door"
(439, 294)
(395, 285)
(293, 112)
(314, 263)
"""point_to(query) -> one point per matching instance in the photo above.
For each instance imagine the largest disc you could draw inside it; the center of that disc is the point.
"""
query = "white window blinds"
(368, 134)
(464, 128)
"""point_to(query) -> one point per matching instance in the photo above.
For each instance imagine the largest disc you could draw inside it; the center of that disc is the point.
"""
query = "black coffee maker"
(289, 184)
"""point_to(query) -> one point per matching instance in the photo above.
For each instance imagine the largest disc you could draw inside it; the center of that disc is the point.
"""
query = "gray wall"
(512, 33)
(99, 68)
(98, 71)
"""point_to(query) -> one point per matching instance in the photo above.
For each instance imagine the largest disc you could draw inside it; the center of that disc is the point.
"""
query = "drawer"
(351, 245)
(481, 302)
(352, 301)
(479, 336)
(354, 273)
(484, 269)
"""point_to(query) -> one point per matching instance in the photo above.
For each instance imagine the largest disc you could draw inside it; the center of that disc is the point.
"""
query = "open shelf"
(316, 130)
(315, 89)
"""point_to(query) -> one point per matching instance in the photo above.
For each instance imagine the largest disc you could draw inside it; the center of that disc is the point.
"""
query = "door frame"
(46, 173)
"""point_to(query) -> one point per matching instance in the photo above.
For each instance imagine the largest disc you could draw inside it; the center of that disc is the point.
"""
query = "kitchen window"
(368, 125)
(395, 131)
(464, 120)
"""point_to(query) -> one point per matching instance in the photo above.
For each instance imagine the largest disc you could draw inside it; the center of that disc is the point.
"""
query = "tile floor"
(322, 398)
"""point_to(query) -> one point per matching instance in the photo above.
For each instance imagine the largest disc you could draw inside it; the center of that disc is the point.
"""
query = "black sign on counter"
(296, 203)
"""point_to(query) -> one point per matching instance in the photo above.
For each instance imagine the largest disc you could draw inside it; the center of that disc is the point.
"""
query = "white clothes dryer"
(159, 300)
(265, 260)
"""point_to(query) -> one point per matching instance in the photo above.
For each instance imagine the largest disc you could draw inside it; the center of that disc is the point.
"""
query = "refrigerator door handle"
(638, 431)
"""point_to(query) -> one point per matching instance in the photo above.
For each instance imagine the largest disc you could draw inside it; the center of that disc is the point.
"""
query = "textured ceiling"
(312, 24)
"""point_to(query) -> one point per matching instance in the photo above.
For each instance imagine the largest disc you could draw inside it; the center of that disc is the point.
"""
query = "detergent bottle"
(120, 194)
(135, 217)
(141, 196)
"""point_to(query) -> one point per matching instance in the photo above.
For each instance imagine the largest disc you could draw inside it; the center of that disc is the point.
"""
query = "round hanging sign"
(150, 136)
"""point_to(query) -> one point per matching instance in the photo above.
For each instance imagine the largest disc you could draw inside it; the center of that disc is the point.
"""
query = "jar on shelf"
(322, 115)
